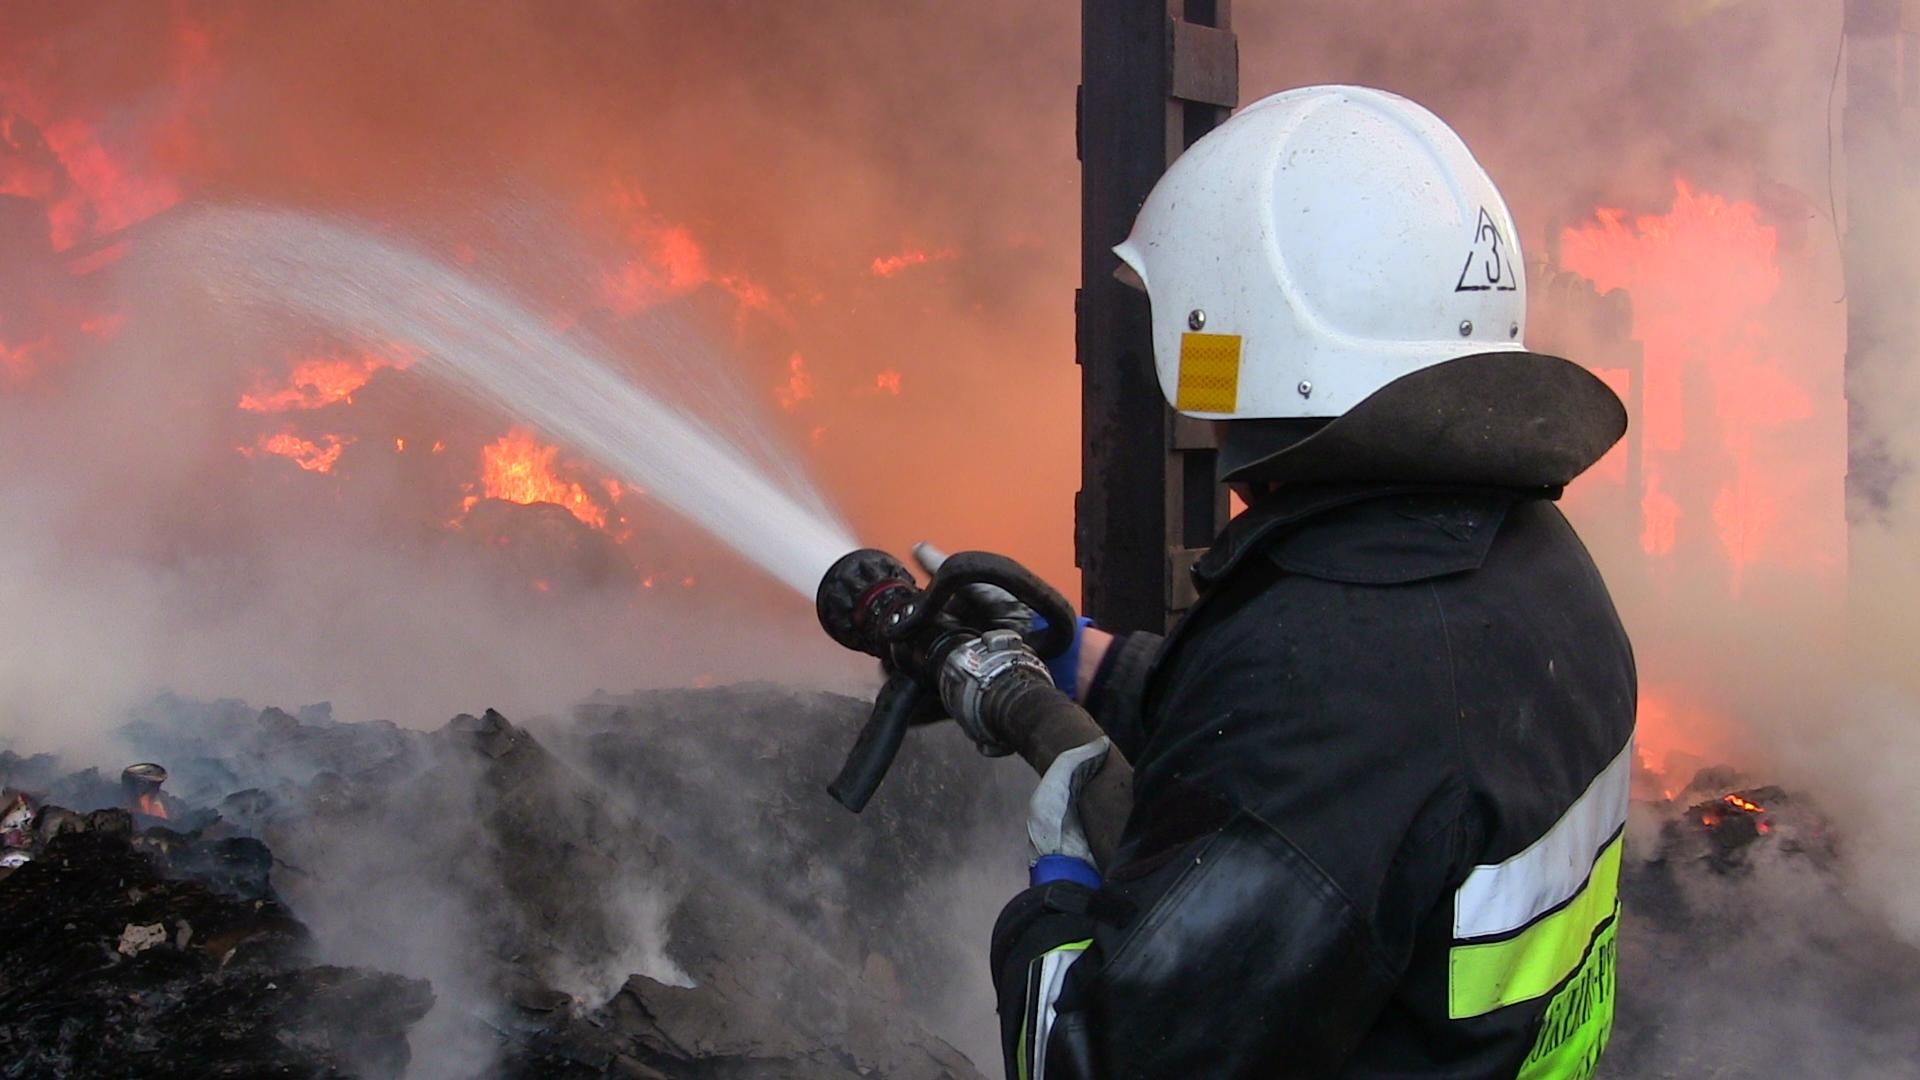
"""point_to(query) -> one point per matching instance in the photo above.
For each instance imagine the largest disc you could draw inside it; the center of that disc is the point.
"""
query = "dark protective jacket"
(1380, 785)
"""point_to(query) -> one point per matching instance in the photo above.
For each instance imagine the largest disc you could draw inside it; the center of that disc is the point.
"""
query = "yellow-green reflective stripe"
(1042, 1008)
(1574, 1029)
(1482, 978)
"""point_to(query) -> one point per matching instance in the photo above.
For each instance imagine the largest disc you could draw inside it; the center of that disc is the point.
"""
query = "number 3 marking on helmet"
(1494, 264)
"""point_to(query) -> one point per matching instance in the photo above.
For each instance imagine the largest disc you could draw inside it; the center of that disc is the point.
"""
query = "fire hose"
(871, 603)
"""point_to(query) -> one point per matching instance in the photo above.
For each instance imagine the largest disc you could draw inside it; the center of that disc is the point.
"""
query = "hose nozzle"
(861, 595)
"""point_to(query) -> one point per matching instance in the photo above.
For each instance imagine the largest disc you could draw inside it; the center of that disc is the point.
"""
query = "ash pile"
(657, 887)
(1747, 951)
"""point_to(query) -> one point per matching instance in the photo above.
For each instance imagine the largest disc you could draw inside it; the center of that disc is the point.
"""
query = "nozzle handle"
(965, 569)
(894, 710)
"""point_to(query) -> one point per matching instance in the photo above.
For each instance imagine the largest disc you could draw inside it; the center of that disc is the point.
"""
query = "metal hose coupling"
(975, 679)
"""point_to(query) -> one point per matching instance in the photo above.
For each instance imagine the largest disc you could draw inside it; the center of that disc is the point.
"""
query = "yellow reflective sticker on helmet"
(1209, 373)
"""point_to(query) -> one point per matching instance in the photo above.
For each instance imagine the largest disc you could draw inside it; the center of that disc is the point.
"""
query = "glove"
(978, 607)
(989, 607)
(979, 671)
(1060, 849)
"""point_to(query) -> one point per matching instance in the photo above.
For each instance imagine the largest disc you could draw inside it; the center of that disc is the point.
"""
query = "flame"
(518, 468)
(887, 382)
(149, 804)
(1739, 803)
(316, 383)
(670, 263)
(1716, 397)
(317, 457)
(799, 384)
(887, 266)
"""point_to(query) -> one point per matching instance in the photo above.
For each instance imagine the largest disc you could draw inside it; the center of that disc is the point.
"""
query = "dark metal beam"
(1155, 76)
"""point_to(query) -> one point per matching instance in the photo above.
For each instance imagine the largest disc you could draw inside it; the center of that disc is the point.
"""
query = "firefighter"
(1380, 769)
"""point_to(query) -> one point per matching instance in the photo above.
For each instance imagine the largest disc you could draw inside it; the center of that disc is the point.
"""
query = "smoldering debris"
(1746, 951)
(667, 892)
(561, 931)
(111, 965)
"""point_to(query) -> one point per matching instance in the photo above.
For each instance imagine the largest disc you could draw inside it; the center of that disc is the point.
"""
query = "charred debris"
(589, 930)
(657, 887)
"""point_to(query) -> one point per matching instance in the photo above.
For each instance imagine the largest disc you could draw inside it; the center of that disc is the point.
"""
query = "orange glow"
(669, 262)
(799, 384)
(399, 446)
(16, 360)
(1739, 803)
(314, 457)
(149, 804)
(1719, 402)
(519, 469)
(887, 382)
(887, 266)
(103, 327)
(315, 384)
(107, 197)
(1674, 735)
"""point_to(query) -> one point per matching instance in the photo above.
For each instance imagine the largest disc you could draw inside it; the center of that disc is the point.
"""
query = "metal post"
(1155, 76)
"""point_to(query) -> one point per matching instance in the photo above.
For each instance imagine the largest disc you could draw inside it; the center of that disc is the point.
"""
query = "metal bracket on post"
(1156, 75)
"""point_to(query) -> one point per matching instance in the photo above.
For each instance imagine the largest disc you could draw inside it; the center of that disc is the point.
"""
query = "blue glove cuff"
(1065, 668)
(1051, 868)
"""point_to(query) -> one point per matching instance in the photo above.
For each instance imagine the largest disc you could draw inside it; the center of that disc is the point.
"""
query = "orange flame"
(1703, 278)
(670, 262)
(887, 266)
(149, 804)
(887, 382)
(313, 457)
(519, 469)
(1739, 803)
(316, 383)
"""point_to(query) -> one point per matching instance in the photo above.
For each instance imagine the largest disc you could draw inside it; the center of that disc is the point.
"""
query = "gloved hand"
(989, 607)
(1054, 828)
(977, 675)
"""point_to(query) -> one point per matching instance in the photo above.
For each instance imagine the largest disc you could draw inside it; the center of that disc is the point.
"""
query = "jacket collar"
(1266, 521)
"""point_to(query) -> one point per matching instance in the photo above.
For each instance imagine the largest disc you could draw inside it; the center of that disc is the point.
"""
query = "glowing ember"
(889, 265)
(518, 468)
(1739, 803)
(149, 804)
(312, 456)
(316, 383)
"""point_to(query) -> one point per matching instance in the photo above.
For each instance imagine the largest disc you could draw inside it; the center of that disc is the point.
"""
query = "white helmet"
(1321, 244)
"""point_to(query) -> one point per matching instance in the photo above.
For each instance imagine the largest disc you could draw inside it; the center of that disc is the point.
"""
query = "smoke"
(737, 169)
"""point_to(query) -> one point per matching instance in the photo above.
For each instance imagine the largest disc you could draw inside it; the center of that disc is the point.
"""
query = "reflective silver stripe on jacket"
(1503, 897)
